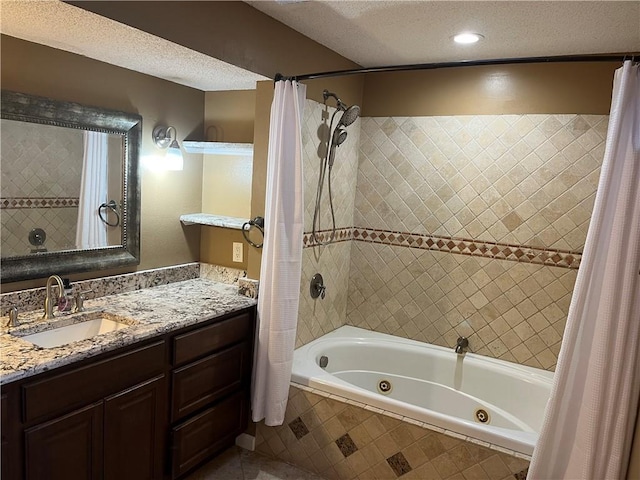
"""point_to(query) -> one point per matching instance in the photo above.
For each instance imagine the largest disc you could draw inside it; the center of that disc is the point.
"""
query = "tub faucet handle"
(317, 287)
(462, 344)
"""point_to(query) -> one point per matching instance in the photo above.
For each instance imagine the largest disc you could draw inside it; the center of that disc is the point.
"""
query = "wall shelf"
(218, 148)
(235, 223)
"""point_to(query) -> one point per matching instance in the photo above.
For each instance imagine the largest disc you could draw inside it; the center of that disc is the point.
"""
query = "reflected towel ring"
(257, 222)
(113, 206)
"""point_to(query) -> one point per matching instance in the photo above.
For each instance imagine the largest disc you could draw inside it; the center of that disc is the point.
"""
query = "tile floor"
(239, 464)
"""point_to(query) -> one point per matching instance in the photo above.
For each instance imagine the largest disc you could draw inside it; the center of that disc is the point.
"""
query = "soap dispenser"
(65, 302)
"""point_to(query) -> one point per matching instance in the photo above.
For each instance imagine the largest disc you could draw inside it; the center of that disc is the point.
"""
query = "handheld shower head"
(339, 136)
(337, 139)
(349, 116)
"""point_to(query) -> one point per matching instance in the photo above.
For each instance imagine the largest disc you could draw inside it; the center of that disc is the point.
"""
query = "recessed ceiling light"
(467, 38)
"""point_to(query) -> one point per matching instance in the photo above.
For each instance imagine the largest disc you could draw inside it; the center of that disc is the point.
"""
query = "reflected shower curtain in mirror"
(281, 256)
(588, 426)
(91, 231)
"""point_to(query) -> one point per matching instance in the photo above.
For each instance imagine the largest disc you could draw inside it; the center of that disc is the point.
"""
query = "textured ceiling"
(377, 33)
(368, 32)
(66, 27)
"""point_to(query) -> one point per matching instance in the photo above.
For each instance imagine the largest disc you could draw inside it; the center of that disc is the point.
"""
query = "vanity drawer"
(205, 434)
(196, 343)
(60, 393)
(204, 381)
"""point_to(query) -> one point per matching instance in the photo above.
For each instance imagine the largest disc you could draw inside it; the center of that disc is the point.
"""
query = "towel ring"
(113, 206)
(257, 222)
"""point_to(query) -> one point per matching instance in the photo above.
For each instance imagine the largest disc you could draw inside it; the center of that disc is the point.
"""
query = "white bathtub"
(430, 384)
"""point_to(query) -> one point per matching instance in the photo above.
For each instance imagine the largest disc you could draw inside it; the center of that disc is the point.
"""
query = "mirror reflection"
(61, 188)
(69, 188)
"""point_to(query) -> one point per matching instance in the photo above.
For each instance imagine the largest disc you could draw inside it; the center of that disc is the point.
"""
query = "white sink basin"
(81, 327)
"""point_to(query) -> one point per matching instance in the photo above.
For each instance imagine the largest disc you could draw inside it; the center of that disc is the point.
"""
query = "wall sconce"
(165, 137)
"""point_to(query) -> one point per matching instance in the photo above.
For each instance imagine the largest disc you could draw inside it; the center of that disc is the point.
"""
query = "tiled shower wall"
(317, 317)
(501, 186)
(440, 203)
(40, 185)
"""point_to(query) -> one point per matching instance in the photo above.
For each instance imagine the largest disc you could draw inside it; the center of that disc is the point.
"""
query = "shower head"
(349, 116)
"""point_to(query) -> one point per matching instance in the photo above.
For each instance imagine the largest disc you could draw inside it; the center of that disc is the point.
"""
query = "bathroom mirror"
(70, 194)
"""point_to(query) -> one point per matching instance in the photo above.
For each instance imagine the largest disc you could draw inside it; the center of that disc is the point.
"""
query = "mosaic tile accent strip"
(324, 237)
(32, 202)
(465, 246)
(33, 299)
(388, 446)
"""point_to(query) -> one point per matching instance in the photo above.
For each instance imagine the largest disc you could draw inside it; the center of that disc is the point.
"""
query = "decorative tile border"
(462, 246)
(42, 202)
(324, 237)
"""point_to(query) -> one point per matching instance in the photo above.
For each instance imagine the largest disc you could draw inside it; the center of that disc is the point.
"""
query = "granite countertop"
(151, 311)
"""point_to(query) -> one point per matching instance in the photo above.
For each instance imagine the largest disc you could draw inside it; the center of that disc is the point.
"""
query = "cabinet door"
(134, 426)
(197, 439)
(66, 448)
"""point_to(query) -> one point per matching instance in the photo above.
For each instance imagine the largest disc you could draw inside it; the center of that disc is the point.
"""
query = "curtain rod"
(463, 63)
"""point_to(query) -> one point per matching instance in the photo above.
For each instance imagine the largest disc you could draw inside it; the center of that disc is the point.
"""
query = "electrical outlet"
(237, 252)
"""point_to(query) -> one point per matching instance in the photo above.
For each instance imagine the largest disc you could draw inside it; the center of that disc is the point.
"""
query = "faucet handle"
(80, 298)
(13, 317)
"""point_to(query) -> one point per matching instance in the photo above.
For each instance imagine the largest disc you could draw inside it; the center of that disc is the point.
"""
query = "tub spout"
(461, 345)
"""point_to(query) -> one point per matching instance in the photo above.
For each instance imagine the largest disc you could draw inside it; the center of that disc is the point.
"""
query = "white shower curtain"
(91, 232)
(281, 256)
(588, 426)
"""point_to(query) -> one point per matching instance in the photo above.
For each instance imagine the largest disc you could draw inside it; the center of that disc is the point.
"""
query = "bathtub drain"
(324, 361)
(482, 416)
(385, 387)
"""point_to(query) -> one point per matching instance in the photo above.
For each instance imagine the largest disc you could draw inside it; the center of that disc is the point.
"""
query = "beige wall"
(227, 179)
(264, 97)
(583, 87)
(39, 70)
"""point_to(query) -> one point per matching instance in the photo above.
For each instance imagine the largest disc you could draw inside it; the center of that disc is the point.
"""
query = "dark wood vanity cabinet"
(148, 411)
(210, 380)
(105, 419)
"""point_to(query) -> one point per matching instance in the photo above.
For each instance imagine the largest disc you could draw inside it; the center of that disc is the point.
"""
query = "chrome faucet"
(462, 345)
(48, 301)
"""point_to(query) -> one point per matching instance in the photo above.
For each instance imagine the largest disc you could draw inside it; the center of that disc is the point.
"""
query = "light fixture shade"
(173, 159)
(165, 137)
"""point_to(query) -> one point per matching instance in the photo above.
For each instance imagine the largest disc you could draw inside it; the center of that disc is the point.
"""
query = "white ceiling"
(369, 32)
(377, 33)
(66, 27)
